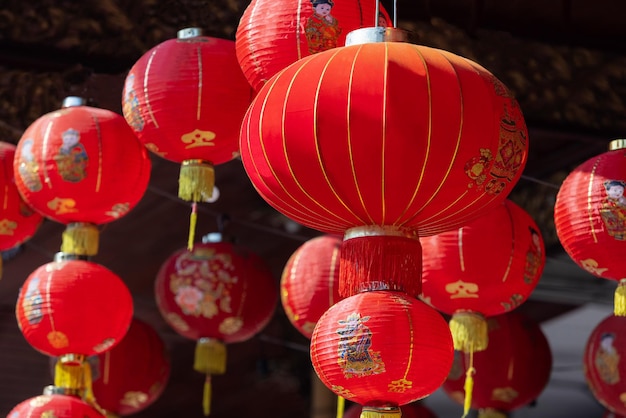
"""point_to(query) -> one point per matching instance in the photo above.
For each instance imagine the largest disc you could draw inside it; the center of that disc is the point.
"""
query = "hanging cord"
(469, 384)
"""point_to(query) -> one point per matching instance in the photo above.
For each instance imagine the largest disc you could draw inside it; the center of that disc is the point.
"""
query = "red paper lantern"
(273, 34)
(604, 365)
(133, 374)
(343, 141)
(81, 166)
(73, 306)
(310, 282)
(611, 414)
(215, 294)
(54, 406)
(382, 350)
(411, 410)
(590, 217)
(18, 221)
(511, 372)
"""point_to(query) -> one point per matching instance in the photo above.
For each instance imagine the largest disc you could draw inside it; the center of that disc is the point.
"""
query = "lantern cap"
(187, 33)
(61, 256)
(376, 34)
(73, 101)
(57, 390)
(617, 144)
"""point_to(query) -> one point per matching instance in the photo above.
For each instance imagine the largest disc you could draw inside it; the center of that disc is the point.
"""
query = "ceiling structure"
(564, 60)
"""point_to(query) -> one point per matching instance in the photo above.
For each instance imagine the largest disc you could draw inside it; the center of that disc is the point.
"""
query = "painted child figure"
(322, 29)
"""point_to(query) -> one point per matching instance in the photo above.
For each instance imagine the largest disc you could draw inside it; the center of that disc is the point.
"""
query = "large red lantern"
(383, 142)
(54, 406)
(275, 33)
(72, 309)
(382, 350)
(511, 372)
(411, 410)
(81, 166)
(604, 365)
(309, 284)
(185, 99)
(590, 217)
(215, 294)
(133, 374)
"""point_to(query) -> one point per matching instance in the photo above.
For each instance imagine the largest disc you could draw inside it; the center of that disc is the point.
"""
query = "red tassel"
(380, 258)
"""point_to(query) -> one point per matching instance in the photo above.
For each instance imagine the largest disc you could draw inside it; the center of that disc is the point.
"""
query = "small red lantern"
(310, 282)
(81, 166)
(133, 374)
(604, 365)
(590, 217)
(185, 99)
(215, 294)
(54, 406)
(411, 410)
(511, 372)
(382, 350)
(275, 33)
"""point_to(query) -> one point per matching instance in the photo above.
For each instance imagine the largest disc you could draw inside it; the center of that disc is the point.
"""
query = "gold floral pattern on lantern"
(592, 266)
(231, 325)
(343, 392)
(57, 339)
(177, 322)
(461, 289)
(400, 385)
(515, 301)
(48, 414)
(356, 358)
(118, 210)
(61, 206)
(40, 401)
(507, 394)
(134, 399)
(7, 227)
(104, 345)
(198, 138)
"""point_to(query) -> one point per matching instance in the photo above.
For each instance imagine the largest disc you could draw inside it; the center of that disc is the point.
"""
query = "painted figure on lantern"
(607, 359)
(72, 158)
(322, 28)
(355, 355)
(33, 302)
(533, 257)
(29, 168)
(131, 105)
(613, 209)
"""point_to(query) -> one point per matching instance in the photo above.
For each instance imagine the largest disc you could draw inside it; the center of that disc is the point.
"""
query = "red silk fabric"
(489, 266)
(216, 291)
(384, 134)
(590, 215)
(381, 347)
(73, 307)
(81, 164)
(185, 99)
(511, 372)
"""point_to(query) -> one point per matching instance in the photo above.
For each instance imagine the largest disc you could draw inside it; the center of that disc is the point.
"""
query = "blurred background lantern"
(610, 414)
(376, 174)
(590, 217)
(309, 282)
(54, 406)
(81, 166)
(72, 309)
(604, 365)
(275, 33)
(133, 374)
(381, 349)
(185, 99)
(513, 370)
(18, 221)
(411, 410)
(215, 294)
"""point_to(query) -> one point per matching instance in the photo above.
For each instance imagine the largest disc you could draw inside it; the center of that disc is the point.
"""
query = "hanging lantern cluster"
(185, 99)
(590, 217)
(215, 294)
(514, 368)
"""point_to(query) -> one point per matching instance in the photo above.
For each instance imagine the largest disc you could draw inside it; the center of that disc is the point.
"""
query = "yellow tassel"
(469, 389)
(196, 181)
(491, 413)
(193, 219)
(381, 412)
(206, 397)
(69, 373)
(469, 332)
(619, 304)
(210, 356)
(80, 238)
(341, 406)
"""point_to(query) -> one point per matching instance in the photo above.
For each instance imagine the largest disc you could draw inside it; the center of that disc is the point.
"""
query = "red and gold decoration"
(72, 309)
(54, 406)
(185, 99)
(215, 294)
(411, 410)
(604, 363)
(590, 217)
(514, 369)
(309, 284)
(81, 166)
(133, 374)
(381, 349)
(273, 34)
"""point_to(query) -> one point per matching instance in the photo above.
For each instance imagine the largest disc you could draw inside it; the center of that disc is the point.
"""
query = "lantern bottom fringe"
(206, 396)
(469, 332)
(196, 181)
(491, 413)
(80, 238)
(386, 261)
(386, 412)
(341, 406)
(619, 304)
(210, 356)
